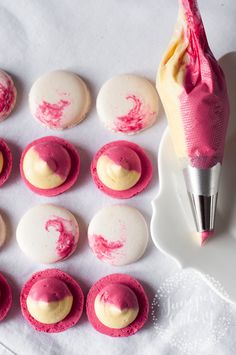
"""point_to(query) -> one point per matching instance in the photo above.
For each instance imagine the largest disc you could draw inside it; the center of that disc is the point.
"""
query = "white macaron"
(118, 234)
(127, 104)
(59, 99)
(47, 233)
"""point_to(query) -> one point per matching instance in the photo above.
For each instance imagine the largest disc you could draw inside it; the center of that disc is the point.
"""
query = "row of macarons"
(61, 99)
(50, 165)
(52, 301)
(48, 233)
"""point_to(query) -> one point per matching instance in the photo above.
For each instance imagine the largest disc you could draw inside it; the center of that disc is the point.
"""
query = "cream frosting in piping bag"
(193, 91)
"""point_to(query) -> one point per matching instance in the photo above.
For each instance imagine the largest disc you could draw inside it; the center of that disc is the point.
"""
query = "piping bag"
(192, 88)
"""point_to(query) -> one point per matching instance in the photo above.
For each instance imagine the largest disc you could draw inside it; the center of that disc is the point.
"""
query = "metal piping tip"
(202, 186)
(204, 209)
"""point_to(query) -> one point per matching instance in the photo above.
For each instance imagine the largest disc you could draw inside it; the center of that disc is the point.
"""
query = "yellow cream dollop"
(113, 317)
(49, 312)
(38, 173)
(1, 162)
(115, 176)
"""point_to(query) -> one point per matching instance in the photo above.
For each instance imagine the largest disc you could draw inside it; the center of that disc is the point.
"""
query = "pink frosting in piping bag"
(201, 96)
(193, 91)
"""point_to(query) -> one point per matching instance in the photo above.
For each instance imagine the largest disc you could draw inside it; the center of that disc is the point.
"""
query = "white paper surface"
(99, 39)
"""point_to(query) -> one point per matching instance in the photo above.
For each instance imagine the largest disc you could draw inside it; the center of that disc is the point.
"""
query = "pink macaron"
(7, 95)
(50, 165)
(52, 287)
(121, 169)
(5, 162)
(5, 297)
(117, 293)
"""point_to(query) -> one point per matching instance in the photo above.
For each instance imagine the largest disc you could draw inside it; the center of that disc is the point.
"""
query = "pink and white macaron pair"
(126, 103)
(52, 301)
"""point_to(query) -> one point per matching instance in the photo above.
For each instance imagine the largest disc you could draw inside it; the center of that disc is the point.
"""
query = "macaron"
(7, 95)
(118, 235)
(50, 165)
(6, 161)
(51, 301)
(117, 305)
(47, 233)
(2, 231)
(5, 297)
(121, 169)
(59, 99)
(127, 104)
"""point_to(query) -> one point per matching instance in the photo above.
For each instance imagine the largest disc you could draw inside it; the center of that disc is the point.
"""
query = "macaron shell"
(47, 233)
(77, 306)
(127, 104)
(118, 235)
(146, 168)
(136, 287)
(7, 95)
(6, 297)
(74, 172)
(59, 99)
(2, 231)
(7, 162)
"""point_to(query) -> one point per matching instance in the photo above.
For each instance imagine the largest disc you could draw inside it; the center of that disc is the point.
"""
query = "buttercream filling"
(49, 301)
(116, 306)
(47, 165)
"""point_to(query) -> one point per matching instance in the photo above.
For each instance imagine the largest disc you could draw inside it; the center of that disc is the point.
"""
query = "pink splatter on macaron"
(117, 305)
(5, 297)
(121, 169)
(52, 301)
(50, 165)
(6, 161)
(51, 114)
(7, 95)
